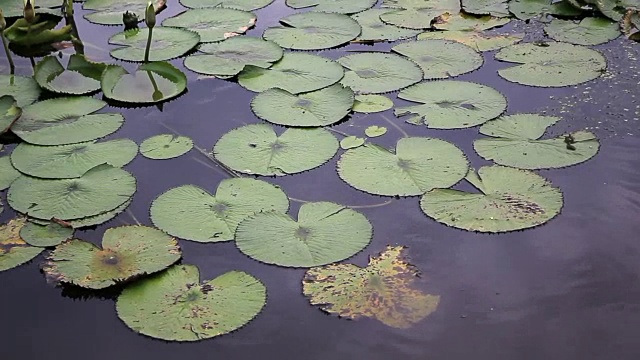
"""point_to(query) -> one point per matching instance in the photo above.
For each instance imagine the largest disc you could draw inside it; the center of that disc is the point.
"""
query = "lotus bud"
(130, 20)
(3, 22)
(150, 15)
(29, 12)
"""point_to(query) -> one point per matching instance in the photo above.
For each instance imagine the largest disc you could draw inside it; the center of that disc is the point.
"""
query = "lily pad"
(384, 290)
(324, 233)
(333, 6)
(8, 173)
(165, 146)
(378, 72)
(418, 165)
(440, 59)
(48, 235)
(528, 9)
(192, 213)
(109, 12)
(516, 142)
(374, 29)
(498, 8)
(213, 24)
(468, 22)
(257, 149)
(589, 31)
(509, 199)
(555, 64)
(375, 131)
(417, 14)
(313, 31)
(98, 219)
(13, 250)
(127, 252)
(246, 5)
(317, 108)
(370, 103)
(295, 73)
(9, 112)
(166, 43)
(80, 77)
(176, 305)
(25, 38)
(66, 120)
(152, 82)
(15, 8)
(24, 90)
(351, 142)
(479, 41)
(451, 104)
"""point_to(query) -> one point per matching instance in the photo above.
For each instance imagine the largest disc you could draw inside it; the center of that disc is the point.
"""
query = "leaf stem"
(146, 51)
(6, 50)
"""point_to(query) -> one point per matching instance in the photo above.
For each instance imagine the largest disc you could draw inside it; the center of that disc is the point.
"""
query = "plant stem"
(67, 6)
(146, 51)
(8, 52)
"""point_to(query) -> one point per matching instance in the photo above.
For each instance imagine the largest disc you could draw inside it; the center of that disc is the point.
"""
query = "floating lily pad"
(378, 72)
(295, 73)
(165, 146)
(152, 83)
(317, 108)
(127, 252)
(101, 189)
(509, 199)
(13, 250)
(553, 65)
(440, 59)
(66, 120)
(333, 6)
(384, 290)
(246, 5)
(166, 43)
(498, 8)
(8, 173)
(418, 165)
(228, 58)
(417, 14)
(98, 219)
(9, 112)
(477, 40)
(468, 22)
(528, 9)
(48, 235)
(516, 142)
(80, 77)
(371, 103)
(257, 149)
(313, 31)
(29, 40)
(589, 31)
(24, 90)
(375, 131)
(192, 213)
(374, 29)
(324, 233)
(109, 12)
(351, 142)
(451, 104)
(71, 161)
(176, 305)
(14, 8)
(213, 24)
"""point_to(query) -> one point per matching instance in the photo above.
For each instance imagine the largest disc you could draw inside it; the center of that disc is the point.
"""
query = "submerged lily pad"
(324, 233)
(176, 305)
(257, 149)
(80, 77)
(246, 5)
(165, 146)
(378, 72)
(333, 6)
(417, 14)
(528, 9)
(555, 64)
(440, 59)
(468, 22)
(371, 103)
(498, 8)
(166, 43)
(384, 290)
(374, 29)
(24, 90)
(589, 31)
(451, 104)
(152, 82)
(418, 165)
(516, 142)
(109, 12)
(351, 142)
(127, 252)
(51, 234)
(13, 250)
(479, 41)
(192, 213)
(509, 199)
(9, 112)
(213, 24)
(313, 31)
(8, 173)
(317, 108)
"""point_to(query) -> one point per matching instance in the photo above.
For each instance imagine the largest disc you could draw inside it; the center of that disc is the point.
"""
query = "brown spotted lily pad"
(13, 250)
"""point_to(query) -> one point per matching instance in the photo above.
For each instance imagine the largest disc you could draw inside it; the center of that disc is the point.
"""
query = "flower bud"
(29, 12)
(3, 22)
(150, 15)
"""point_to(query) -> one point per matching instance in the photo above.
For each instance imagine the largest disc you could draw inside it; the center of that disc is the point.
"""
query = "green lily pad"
(616, 9)
(324, 233)
(418, 165)
(528, 9)
(9, 112)
(589, 31)
(246, 5)
(13, 250)
(48, 235)
(375, 131)
(42, 31)
(317, 108)
(374, 29)
(192, 213)
(333, 6)
(451, 104)
(152, 82)
(101, 189)
(440, 59)
(8, 173)
(479, 41)
(295, 72)
(80, 77)
(384, 290)
(468, 22)
(509, 199)
(213, 24)
(378, 72)
(371, 103)
(165, 146)
(24, 90)
(351, 142)
(257, 149)
(553, 65)
(127, 252)
(66, 120)
(109, 12)
(313, 31)
(417, 14)
(176, 305)
(98, 219)
(14, 8)
(166, 43)
(229, 57)
(516, 142)
(498, 8)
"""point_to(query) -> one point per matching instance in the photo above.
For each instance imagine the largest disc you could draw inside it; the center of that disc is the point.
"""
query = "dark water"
(567, 290)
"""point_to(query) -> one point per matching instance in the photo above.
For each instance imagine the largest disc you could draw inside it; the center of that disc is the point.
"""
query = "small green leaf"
(153, 82)
(14, 251)
(213, 24)
(8, 173)
(351, 142)
(24, 90)
(371, 103)
(375, 131)
(166, 43)
(48, 235)
(165, 146)
(374, 73)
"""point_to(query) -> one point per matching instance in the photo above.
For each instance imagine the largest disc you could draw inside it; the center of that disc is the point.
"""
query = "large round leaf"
(15, 8)
(317, 108)
(176, 305)
(98, 219)
(8, 173)
(65, 120)
(450, 104)
(477, 40)
(80, 77)
(516, 142)
(313, 31)
(374, 29)
(257, 149)
(324, 233)
(246, 5)
(418, 165)
(528, 9)
(417, 14)
(378, 72)
(165, 146)
(589, 31)
(14, 251)
(24, 90)
(101, 189)
(48, 235)
(372, 103)
(127, 252)
(468, 22)
(9, 112)
(384, 290)
(192, 213)
(109, 12)
(509, 199)
(497, 8)
(152, 82)
(333, 6)
(71, 161)
(440, 59)
(213, 24)
(553, 64)
(166, 43)
(295, 73)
